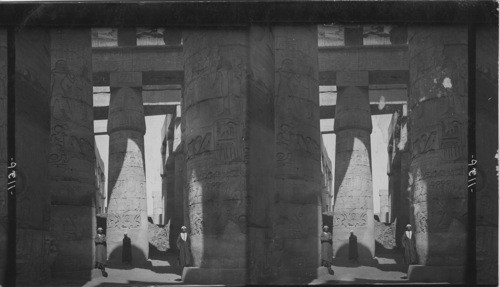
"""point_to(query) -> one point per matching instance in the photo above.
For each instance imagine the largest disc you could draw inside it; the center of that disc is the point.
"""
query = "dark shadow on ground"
(169, 256)
(343, 252)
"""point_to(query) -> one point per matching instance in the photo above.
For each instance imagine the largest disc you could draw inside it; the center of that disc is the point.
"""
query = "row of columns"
(237, 195)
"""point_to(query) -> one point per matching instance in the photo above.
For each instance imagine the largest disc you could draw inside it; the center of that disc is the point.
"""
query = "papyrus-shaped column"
(225, 78)
(72, 153)
(32, 117)
(353, 208)
(127, 208)
(438, 123)
(296, 210)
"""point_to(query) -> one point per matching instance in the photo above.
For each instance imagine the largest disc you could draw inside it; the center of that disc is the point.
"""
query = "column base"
(436, 274)
(197, 275)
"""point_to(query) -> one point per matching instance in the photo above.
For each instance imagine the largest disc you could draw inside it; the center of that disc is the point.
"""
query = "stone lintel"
(352, 78)
(125, 79)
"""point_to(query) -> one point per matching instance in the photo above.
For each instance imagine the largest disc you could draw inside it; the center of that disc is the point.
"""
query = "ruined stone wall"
(72, 159)
(486, 148)
(385, 237)
(438, 98)
(32, 90)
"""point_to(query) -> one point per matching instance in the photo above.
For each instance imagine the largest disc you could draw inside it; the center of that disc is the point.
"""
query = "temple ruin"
(223, 131)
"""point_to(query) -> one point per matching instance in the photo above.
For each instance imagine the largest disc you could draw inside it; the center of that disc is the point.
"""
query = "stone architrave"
(353, 208)
(438, 123)
(3, 154)
(127, 208)
(34, 248)
(297, 211)
(225, 78)
(72, 153)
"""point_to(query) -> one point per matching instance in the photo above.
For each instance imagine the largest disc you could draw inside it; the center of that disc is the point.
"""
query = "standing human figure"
(353, 247)
(409, 245)
(326, 248)
(126, 249)
(184, 246)
(100, 251)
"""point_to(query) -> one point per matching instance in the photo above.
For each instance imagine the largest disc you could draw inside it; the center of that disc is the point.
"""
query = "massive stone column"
(32, 116)
(487, 155)
(170, 184)
(165, 180)
(225, 77)
(72, 154)
(3, 154)
(127, 209)
(404, 211)
(438, 124)
(180, 167)
(353, 177)
(297, 212)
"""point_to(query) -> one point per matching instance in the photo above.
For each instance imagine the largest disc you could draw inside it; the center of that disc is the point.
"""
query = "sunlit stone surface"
(353, 208)
(127, 206)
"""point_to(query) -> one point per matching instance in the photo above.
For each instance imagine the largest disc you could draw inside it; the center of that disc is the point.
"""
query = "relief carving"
(61, 143)
(199, 144)
(124, 221)
(452, 143)
(70, 98)
(351, 219)
(294, 141)
(227, 143)
(424, 142)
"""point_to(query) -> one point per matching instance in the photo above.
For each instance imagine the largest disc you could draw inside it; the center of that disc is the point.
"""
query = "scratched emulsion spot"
(447, 83)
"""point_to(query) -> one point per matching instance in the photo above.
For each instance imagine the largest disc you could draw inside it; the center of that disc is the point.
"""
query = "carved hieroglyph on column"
(3, 153)
(225, 79)
(127, 207)
(353, 208)
(215, 78)
(72, 155)
(34, 247)
(438, 119)
(296, 217)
